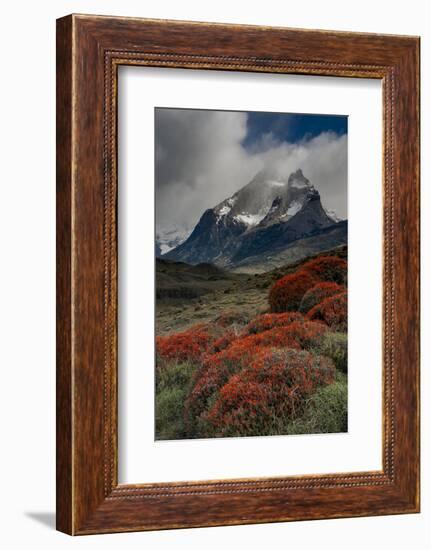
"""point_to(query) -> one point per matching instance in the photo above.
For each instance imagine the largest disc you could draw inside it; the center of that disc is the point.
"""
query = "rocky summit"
(263, 218)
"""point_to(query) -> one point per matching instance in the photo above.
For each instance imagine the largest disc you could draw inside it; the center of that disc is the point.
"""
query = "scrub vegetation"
(252, 355)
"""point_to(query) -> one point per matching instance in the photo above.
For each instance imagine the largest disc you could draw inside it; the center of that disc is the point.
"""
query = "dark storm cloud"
(201, 159)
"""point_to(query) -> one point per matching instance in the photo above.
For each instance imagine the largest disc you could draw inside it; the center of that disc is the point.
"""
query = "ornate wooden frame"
(89, 51)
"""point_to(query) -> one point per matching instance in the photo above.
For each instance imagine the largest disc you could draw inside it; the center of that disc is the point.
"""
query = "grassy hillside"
(188, 294)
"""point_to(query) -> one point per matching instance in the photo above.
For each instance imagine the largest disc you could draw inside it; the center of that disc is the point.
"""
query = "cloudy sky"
(202, 157)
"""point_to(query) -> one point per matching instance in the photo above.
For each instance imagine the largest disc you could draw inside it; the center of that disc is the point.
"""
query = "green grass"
(172, 386)
(334, 346)
(325, 411)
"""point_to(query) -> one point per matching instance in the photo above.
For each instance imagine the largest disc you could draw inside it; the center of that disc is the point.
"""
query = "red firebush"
(296, 335)
(224, 341)
(214, 372)
(328, 268)
(271, 320)
(332, 311)
(286, 293)
(318, 293)
(277, 337)
(306, 334)
(218, 368)
(270, 391)
(189, 345)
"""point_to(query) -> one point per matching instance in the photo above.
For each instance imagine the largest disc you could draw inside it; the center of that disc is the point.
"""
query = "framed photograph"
(237, 274)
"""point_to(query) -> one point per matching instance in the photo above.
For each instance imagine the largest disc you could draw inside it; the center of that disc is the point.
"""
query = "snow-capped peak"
(272, 210)
(269, 196)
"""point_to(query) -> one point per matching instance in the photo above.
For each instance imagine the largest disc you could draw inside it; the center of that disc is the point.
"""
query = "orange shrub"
(296, 335)
(224, 341)
(286, 293)
(318, 293)
(214, 372)
(306, 334)
(272, 390)
(218, 368)
(271, 320)
(277, 337)
(332, 311)
(189, 345)
(328, 268)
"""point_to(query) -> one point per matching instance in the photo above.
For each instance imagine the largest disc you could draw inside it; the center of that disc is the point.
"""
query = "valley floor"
(245, 293)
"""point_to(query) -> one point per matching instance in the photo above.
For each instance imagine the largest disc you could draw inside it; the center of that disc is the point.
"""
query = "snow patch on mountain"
(294, 208)
(224, 210)
(250, 219)
(225, 207)
(333, 215)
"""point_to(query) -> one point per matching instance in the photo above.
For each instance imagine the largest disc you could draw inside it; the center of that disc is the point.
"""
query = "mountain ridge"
(269, 212)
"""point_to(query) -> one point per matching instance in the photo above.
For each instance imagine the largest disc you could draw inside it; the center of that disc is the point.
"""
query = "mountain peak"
(291, 199)
(271, 207)
(253, 202)
(297, 180)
